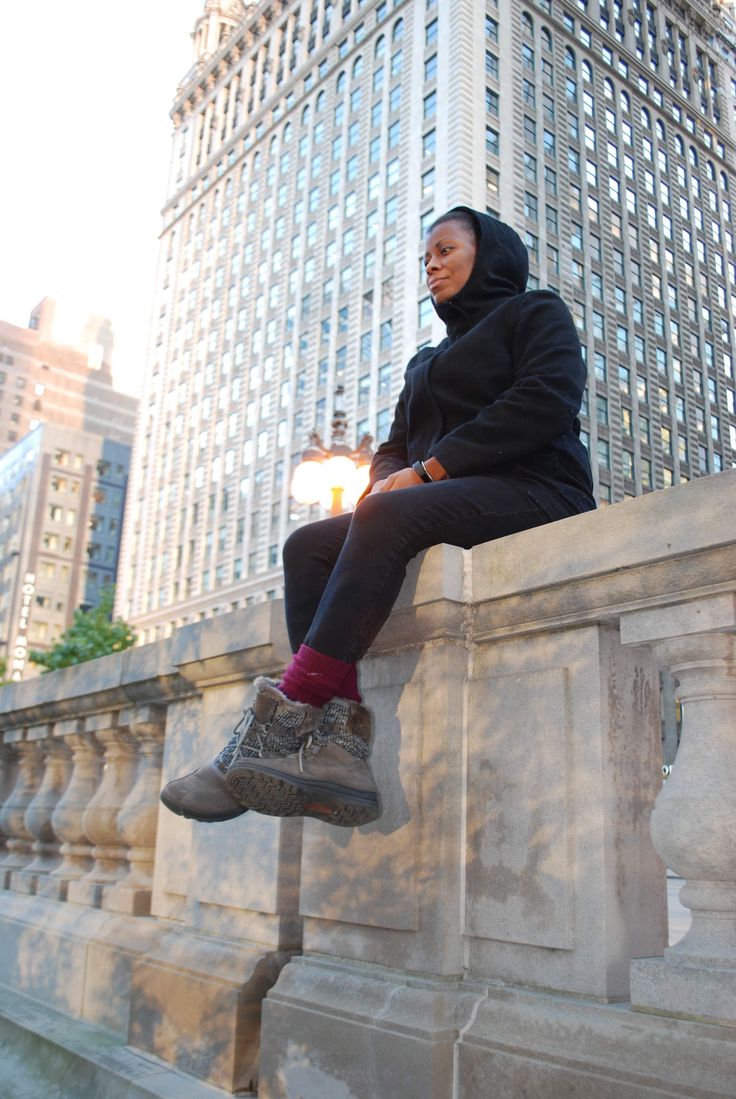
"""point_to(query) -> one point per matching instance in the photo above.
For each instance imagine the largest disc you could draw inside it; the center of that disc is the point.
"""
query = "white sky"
(85, 94)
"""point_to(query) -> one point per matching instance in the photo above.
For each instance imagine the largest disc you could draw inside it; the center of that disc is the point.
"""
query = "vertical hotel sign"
(20, 648)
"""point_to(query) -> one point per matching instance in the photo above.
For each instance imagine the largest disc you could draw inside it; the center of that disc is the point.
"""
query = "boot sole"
(275, 796)
(212, 819)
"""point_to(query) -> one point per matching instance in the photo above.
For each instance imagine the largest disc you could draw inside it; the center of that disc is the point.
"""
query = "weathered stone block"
(237, 878)
(196, 1004)
(563, 884)
(685, 991)
(556, 1047)
(390, 892)
(85, 892)
(520, 793)
(112, 952)
(22, 881)
(333, 1029)
(43, 949)
(47, 1054)
(712, 614)
(676, 523)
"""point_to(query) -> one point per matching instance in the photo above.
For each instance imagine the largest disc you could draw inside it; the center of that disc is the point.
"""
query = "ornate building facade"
(313, 144)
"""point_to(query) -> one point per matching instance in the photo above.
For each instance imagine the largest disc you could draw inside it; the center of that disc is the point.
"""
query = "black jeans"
(342, 575)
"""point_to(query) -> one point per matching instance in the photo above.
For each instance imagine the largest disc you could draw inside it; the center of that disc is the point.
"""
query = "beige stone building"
(43, 379)
(315, 141)
(62, 494)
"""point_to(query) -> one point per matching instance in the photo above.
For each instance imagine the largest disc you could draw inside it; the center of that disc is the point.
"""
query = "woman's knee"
(379, 519)
(297, 547)
(365, 514)
(320, 541)
(381, 505)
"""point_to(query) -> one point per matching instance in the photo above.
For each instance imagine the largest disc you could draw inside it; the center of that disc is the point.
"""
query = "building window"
(492, 140)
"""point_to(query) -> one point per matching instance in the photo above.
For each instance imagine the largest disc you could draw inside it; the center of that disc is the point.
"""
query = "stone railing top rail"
(660, 548)
(673, 522)
(239, 645)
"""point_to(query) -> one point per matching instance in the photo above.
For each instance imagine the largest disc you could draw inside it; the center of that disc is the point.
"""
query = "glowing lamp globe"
(307, 484)
(338, 473)
(358, 486)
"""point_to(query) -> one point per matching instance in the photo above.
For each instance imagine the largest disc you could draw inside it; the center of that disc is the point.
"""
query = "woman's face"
(448, 259)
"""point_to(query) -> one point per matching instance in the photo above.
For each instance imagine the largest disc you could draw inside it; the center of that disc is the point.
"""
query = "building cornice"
(208, 71)
(268, 105)
(710, 20)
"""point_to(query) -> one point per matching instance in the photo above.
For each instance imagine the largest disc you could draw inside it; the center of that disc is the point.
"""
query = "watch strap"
(435, 469)
(419, 469)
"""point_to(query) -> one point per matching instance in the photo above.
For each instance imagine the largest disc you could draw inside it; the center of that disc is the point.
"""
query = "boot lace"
(252, 738)
(312, 743)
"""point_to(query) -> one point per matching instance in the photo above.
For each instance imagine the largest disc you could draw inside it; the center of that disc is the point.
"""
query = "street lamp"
(336, 476)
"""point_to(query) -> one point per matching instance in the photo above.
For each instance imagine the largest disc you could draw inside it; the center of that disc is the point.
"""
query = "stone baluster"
(12, 818)
(138, 817)
(100, 816)
(67, 818)
(8, 778)
(38, 815)
(694, 819)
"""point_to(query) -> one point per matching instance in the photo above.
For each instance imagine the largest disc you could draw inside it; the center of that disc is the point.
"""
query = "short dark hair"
(464, 217)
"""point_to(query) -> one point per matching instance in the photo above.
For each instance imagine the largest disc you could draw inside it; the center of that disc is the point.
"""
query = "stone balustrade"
(504, 919)
(18, 840)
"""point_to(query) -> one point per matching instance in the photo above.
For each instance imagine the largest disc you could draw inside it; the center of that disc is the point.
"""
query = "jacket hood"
(500, 271)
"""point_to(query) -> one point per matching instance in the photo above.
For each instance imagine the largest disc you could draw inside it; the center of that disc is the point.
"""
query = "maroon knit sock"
(349, 685)
(313, 677)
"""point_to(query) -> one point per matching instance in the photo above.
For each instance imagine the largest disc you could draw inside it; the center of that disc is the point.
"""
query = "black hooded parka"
(501, 393)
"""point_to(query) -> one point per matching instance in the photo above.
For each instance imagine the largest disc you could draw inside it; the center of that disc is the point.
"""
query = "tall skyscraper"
(313, 144)
(51, 375)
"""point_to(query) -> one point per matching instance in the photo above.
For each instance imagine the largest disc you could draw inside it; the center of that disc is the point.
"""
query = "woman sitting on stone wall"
(485, 442)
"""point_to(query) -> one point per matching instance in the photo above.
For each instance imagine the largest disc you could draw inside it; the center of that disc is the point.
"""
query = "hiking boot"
(328, 778)
(270, 727)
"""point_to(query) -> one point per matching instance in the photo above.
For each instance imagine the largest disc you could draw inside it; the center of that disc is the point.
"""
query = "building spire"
(217, 22)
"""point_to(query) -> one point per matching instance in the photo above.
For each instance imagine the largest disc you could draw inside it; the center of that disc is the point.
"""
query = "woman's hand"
(404, 478)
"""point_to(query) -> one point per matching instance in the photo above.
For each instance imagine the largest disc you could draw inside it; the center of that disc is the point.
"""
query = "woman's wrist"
(429, 469)
(435, 469)
(420, 471)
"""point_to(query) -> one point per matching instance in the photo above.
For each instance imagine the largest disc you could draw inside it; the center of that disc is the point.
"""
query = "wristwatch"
(429, 470)
(419, 469)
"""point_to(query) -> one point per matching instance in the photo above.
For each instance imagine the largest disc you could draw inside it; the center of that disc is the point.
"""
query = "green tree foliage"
(93, 633)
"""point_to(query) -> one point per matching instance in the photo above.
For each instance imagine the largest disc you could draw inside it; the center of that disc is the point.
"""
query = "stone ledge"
(666, 529)
(230, 647)
(684, 991)
(332, 1027)
(540, 1044)
(47, 1053)
(74, 960)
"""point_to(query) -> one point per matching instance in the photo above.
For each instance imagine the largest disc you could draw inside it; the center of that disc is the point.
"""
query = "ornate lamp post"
(335, 475)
